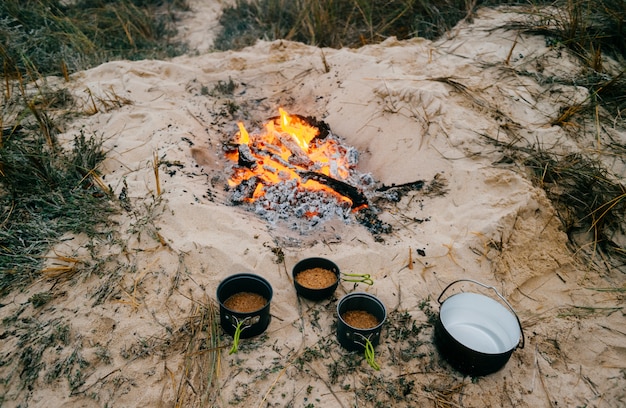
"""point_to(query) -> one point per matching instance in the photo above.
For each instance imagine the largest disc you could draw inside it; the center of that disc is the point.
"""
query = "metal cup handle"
(497, 293)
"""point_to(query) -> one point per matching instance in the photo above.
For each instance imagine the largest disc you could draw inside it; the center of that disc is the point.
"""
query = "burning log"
(245, 156)
(364, 213)
(244, 190)
(357, 197)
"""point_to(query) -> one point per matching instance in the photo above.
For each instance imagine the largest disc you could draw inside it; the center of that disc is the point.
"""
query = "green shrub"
(52, 37)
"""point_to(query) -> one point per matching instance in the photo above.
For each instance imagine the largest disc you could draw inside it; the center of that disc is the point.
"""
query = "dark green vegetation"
(592, 30)
(586, 26)
(50, 188)
(589, 28)
(590, 202)
(589, 198)
(406, 342)
(52, 37)
(47, 190)
(338, 23)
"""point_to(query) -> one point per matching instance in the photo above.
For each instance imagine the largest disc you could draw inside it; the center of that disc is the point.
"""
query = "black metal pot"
(255, 322)
(475, 333)
(310, 263)
(353, 338)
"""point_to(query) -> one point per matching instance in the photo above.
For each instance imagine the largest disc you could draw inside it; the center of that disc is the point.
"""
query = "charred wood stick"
(357, 197)
(395, 192)
(412, 186)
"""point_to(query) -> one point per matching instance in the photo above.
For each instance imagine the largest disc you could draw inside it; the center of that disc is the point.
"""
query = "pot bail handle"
(497, 293)
(359, 278)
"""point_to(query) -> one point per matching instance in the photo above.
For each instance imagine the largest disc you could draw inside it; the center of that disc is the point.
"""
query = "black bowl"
(258, 320)
(310, 263)
(353, 338)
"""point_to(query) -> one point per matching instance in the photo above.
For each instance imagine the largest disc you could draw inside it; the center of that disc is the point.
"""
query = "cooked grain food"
(244, 302)
(316, 278)
(360, 319)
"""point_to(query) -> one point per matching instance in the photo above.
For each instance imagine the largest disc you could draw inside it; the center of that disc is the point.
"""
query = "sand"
(415, 110)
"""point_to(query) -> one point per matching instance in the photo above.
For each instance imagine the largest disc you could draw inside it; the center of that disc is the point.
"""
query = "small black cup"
(352, 338)
(310, 263)
(256, 321)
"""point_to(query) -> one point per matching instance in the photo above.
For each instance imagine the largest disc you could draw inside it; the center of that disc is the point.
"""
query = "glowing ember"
(295, 165)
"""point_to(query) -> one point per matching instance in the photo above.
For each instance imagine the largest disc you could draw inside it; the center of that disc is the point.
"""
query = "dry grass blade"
(65, 268)
(564, 118)
(155, 168)
(479, 102)
(131, 299)
(443, 395)
(198, 385)
(605, 209)
(586, 311)
(280, 374)
(507, 61)
(45, 123)
(97, 180)
(621, 290)
(93, 109)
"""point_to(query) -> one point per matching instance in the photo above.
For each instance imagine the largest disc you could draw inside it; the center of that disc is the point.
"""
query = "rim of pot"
(366, 295)
(252, 276)
(316, 262)
(500, 320)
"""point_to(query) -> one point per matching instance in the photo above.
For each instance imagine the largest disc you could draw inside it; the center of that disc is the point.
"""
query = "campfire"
(295, 167)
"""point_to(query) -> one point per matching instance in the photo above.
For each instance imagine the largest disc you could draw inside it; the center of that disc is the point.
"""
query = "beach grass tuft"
(337, 23)
(47, 190)
(593, 31)
(588, 27)
(590, 202)
(53, 37)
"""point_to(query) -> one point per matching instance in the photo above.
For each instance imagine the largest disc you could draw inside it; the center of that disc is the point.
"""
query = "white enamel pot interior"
(475, 333)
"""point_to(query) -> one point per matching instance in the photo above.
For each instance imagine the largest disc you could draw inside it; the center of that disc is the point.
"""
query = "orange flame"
(244, 137)
(287, 147)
